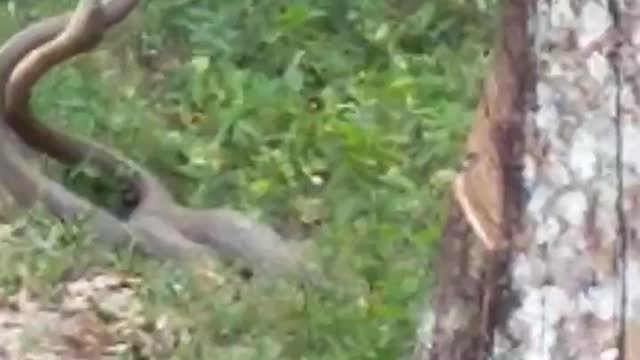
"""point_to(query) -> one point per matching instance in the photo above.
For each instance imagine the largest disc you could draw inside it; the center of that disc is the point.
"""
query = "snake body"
(163, 227)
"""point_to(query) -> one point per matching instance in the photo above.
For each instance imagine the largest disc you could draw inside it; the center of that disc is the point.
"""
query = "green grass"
(332, 120)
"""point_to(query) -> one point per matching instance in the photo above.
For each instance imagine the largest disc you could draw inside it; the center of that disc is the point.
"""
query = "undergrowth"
(337, 121)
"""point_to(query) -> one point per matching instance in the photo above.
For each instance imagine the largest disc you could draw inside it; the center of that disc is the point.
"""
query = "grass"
(338, 122)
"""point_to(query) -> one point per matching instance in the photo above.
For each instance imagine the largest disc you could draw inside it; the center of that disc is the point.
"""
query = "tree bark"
(541, 253)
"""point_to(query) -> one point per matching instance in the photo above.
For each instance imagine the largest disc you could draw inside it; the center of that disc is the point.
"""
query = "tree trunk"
(541, 250)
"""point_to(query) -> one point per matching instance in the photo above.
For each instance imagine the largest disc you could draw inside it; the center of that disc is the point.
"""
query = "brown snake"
(163, 227)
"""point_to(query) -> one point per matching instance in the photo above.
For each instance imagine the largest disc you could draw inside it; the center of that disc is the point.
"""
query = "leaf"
(293, 76)
(200, 63)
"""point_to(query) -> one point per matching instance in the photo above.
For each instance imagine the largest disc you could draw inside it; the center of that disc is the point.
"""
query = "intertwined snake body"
(160, 225)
